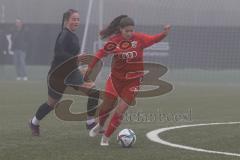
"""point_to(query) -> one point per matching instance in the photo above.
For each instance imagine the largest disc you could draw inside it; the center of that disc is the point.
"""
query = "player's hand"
(83, 58)
(167, 29)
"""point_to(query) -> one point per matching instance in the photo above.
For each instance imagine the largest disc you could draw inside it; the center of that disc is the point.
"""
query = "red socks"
(114, 123)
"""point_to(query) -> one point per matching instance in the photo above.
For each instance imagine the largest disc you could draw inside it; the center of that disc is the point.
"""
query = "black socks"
(92, 102)
(43, 110)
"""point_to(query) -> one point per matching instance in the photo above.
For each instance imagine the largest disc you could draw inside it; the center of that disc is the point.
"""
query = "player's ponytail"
(63, 20)
(114, 27)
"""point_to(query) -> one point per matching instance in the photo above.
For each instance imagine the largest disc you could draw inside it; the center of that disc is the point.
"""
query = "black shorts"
(75, 78)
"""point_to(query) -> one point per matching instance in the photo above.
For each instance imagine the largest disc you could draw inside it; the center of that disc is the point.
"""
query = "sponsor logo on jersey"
(110, 46)
(124, 45)
(127, 55)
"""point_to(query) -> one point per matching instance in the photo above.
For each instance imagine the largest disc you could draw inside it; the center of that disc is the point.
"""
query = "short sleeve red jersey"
(127, 61)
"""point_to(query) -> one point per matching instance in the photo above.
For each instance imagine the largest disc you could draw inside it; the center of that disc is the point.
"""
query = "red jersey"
(128, 63)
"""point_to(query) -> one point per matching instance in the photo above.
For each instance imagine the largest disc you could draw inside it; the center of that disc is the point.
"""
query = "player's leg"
(128, 94)
(88, 88)
(76, 81)
(115, 122)
(43, 110)
(108, 104)
(106, 107)
(116, 118)
(93, 99)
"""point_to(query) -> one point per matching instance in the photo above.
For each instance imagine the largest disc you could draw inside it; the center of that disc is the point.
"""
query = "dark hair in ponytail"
(67, 15)
(114, 27)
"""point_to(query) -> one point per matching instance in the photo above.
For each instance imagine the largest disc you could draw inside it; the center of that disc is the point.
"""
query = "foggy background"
(152, 12)
(205, 33)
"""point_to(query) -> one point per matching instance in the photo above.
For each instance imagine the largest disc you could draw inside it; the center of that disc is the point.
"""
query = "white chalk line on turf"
(155, 137)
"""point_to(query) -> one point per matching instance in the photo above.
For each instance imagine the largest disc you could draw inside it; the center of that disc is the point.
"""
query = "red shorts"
(125, 89)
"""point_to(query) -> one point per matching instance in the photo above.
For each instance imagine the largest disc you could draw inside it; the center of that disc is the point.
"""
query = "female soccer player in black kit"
(66, 47)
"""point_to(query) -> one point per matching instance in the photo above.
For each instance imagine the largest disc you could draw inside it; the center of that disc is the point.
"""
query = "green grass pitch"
(60, 140)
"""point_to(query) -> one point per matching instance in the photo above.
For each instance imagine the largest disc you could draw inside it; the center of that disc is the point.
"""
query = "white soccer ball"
(126, 138)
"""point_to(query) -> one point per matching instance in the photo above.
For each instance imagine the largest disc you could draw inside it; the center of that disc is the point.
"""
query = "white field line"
(155, 137)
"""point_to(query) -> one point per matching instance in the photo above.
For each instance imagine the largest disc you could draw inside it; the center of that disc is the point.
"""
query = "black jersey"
(66, 47)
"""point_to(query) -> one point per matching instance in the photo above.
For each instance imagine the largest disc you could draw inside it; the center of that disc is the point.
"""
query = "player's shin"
(42, 111)
(116, 119)
(92, 107)
(103, 115)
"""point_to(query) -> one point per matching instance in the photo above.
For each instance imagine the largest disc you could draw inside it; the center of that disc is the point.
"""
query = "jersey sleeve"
(99, 55)
(149, 40)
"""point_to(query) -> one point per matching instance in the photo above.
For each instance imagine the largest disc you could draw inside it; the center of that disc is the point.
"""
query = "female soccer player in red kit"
(127, 47)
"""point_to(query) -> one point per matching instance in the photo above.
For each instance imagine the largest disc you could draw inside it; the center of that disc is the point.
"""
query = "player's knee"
(52, 102)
